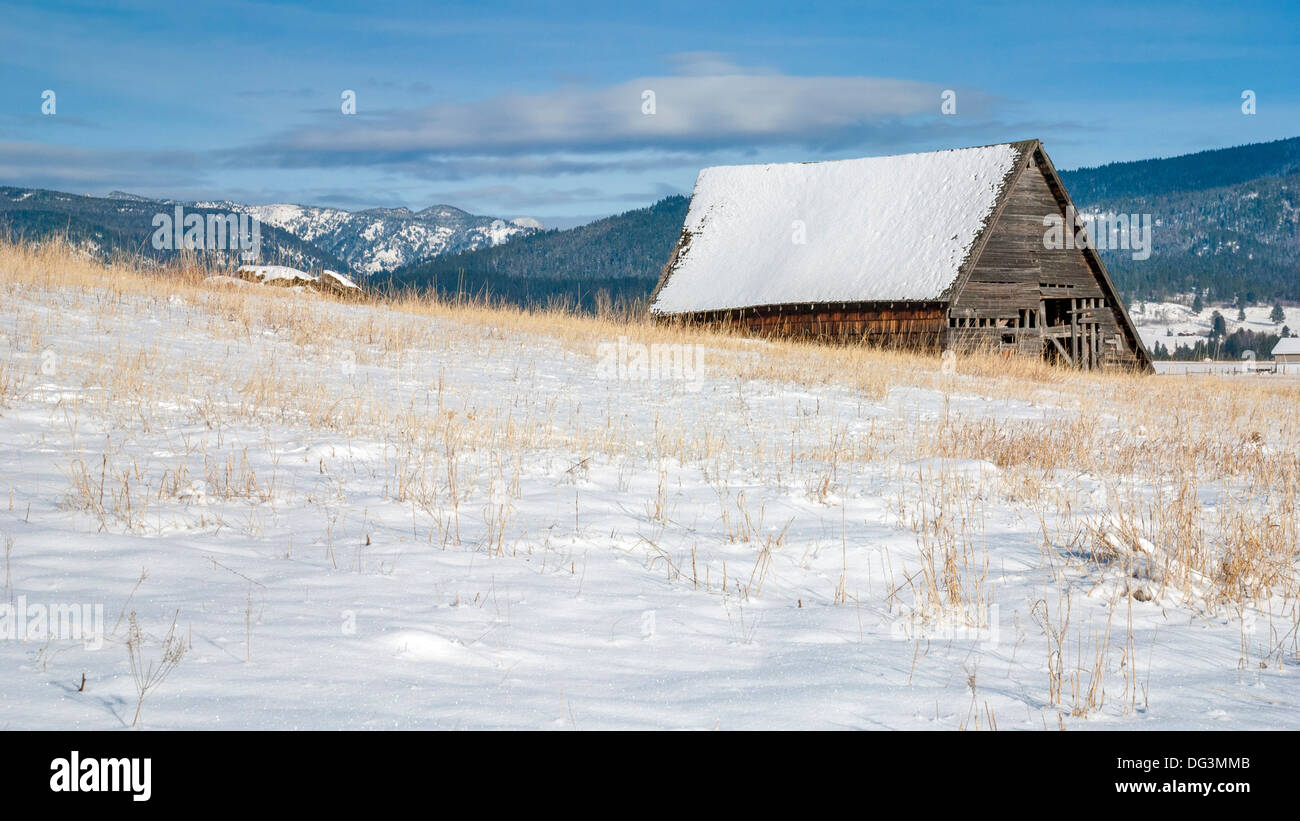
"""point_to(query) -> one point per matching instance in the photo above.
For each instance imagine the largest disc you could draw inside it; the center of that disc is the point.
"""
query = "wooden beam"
(1094, 339)
(1062, 349)
(1074, 330)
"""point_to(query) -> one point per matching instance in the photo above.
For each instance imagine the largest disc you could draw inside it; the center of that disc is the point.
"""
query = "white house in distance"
(1286, 355)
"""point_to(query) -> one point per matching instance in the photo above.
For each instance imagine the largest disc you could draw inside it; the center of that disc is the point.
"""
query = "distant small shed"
(932, 251)
(1286, 355)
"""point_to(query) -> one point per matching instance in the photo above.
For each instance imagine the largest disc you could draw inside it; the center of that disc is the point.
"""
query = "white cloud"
(708, 103)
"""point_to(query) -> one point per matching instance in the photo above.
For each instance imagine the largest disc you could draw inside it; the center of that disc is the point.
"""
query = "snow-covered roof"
(881, 228)
(1289, 345)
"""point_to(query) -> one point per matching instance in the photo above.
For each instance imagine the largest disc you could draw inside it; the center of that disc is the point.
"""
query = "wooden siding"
(1001, 303)
(910, 325)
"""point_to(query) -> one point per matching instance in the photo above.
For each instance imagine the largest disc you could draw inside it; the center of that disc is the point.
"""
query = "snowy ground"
(1260, 369)
(1174, 323)
(361, 519)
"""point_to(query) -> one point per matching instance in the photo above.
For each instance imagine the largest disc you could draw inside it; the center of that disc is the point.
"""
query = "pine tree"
(1241, 314)
(1197, 304)
(1218, 326)
(1279, 315)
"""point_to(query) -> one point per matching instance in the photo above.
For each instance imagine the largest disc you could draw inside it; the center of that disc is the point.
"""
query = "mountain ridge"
(1199, 170)
(618, 256)
(1227, 224)
(366, 242)
(1236, 237)
(377, 240)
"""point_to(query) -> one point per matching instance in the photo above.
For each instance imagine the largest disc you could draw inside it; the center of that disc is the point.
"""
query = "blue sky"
(530, 109)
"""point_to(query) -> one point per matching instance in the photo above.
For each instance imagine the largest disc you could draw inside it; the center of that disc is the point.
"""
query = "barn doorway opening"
(1056, 312)
(1056, 329)
(1072, 332)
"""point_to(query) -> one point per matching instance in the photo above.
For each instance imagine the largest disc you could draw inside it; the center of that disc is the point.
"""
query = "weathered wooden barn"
(932, 251)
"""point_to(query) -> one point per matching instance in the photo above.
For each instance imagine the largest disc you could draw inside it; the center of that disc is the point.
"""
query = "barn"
(1286, 355)
(947, 249)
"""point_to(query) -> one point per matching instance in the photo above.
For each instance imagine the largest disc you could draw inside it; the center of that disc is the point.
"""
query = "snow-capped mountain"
(384, 239)
(368, 242)
(127, 225)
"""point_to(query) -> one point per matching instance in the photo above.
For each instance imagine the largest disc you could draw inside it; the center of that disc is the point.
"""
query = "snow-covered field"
(1174, 323)
(368, 516)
